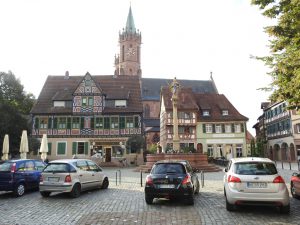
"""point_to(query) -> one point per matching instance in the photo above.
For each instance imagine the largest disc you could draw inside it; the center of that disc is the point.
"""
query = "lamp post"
(174, 99)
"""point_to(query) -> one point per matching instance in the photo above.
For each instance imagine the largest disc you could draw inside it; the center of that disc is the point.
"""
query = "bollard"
(298, 164)
(290, 165)
(282, 164)
(202, 178)
(141, 178)
(116, 178)
(119, 176)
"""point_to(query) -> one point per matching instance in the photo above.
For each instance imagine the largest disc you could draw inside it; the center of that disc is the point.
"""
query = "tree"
(284, 60)
(135, 143)
(15, 106)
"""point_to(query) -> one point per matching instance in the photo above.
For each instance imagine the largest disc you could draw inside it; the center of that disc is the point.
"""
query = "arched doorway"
(292, 152)
(200, 148)
(284, 152)
(276, 152)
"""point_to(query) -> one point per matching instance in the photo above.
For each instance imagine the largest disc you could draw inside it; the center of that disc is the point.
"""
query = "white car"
(254, 181)
(71, 176)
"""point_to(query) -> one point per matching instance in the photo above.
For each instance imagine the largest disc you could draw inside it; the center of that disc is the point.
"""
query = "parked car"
(172, 179)
(254, 181)
(20, 175)
(295, 185)
(72, 176)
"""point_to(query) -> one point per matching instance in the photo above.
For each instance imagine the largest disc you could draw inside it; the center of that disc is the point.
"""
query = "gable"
(87, 86)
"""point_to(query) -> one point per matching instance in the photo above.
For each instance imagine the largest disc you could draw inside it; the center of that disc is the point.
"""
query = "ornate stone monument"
(175, 89)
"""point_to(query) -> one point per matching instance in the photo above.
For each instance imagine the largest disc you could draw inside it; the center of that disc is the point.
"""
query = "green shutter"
(232, 128)
(86, 148)
(242, 128)
(50, 123)
(61, 148)
(55, 123)
(81, 122)
(49, 148)
(204, 128)
(36, 123)
(214, 128)
(74, 148)
(136, 122)
(122, 122)
(223, 128)
(92, 123)
(69, 123)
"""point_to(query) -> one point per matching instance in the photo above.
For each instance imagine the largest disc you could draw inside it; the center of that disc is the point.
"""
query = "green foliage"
(284, 60)
(135, 143)
(152, 149)
(189, 149)
(15, 106)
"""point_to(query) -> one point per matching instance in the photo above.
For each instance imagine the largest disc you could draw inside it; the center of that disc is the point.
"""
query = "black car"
(171, 180)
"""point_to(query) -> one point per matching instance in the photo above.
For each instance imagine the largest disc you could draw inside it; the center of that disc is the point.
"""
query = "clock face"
(130, 51)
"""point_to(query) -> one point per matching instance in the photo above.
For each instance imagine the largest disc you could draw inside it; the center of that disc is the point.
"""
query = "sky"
(186, 39)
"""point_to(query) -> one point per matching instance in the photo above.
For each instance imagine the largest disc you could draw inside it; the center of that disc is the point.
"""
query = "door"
(83, 174)
(30, 175)
(95, 174)
(108, 155)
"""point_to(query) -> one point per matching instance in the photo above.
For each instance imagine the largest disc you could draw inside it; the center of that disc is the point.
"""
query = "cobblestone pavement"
(124, 204)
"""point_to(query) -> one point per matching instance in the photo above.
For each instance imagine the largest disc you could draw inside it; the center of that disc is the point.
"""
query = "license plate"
(53, 179)
(166, 186)
(257, 185)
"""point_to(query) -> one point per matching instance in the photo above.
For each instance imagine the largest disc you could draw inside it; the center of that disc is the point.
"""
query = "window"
(210, 150)
(90, 101)
(122, 122)
(218, 128)
(205, 113)
(43, 123)
(114, 122)
(88, 83)
(227, 128)
(237, 128)
(120, 103)
(59, 104)
(61, 148)
(136, 122)
(239, 152)
(80, 148)
(220, 150)
(75, 122)
(208, 128)
(129, 122)
(99, 123)
(297, 128)
(84, 101)
(225, 113)
(62, 123)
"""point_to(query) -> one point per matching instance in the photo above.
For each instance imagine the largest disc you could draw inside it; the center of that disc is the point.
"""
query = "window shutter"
(232, 128)
(136, 122)
(86, 148)
(92, 123)
(50, 123)
(242, 128)
(55, 123)
(69, 123)
(204, 128)
(36, 123)
(223, 128)
(81, 122)
(74, 148)
(49, 148)
(214, 128)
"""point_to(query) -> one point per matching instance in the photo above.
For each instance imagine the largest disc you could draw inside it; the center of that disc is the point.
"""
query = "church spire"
(130, 27)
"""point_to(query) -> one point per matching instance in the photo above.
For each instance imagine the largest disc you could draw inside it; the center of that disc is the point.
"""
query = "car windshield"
(255, 168)
(164, 168)
(5, 166)
(57, 168)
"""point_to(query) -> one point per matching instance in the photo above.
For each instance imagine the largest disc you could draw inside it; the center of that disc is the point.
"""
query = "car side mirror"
(225, 170)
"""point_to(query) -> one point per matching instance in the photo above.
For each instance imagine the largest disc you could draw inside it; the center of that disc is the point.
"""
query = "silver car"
(254, 181)
(71, 176)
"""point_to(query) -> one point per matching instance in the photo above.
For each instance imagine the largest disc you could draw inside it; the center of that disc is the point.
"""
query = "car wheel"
(19, 190)
(75, 193)
(45, 193)
(230, 207)
(293, 192)
(198, 187)
(285, 209)
(105, 184)
(149, 199)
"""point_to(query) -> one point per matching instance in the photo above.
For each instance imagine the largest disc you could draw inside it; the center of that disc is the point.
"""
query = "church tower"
(128, 61)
